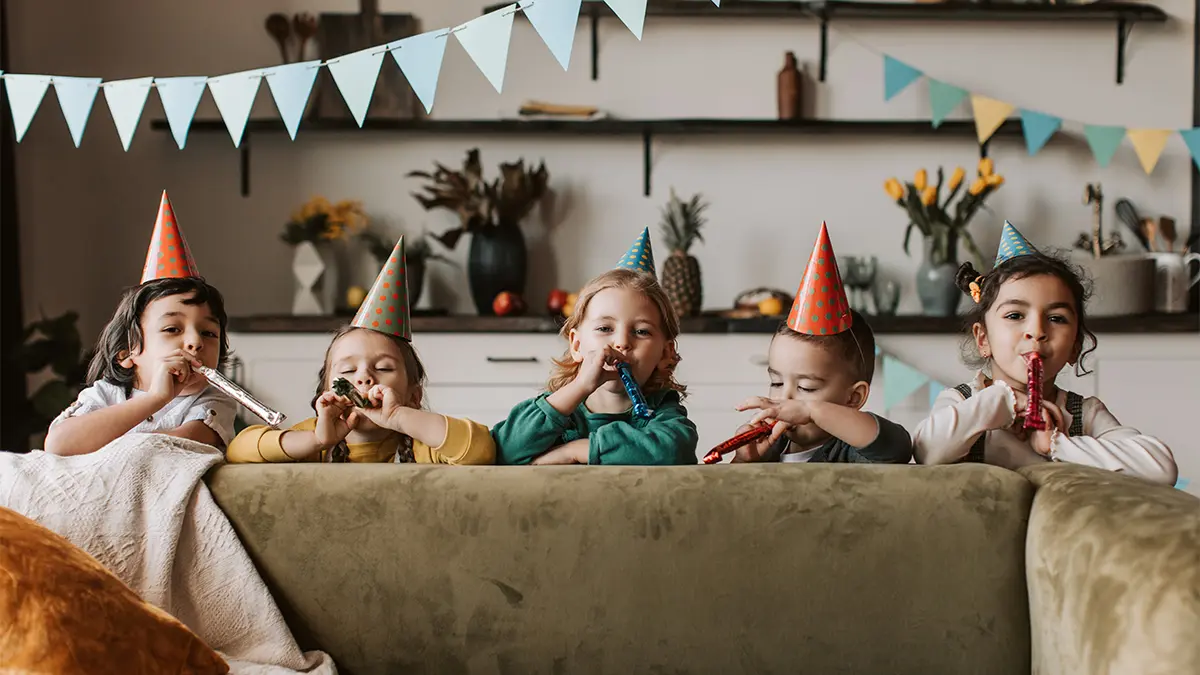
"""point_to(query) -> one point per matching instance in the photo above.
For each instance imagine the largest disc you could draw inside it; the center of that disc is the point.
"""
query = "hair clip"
(976, 290)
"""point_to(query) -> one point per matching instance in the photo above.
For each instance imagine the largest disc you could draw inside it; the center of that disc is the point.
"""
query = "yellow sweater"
(466, 442)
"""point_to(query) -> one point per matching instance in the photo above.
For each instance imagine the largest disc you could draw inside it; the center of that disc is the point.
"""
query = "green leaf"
(908, 233)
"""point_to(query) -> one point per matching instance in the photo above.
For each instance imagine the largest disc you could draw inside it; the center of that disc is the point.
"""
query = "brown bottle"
(789, 88)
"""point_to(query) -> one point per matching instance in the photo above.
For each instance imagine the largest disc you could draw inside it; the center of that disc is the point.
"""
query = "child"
(821, 362)
(375, 355)
(586, 417)
(141, 378)
(1030, 302)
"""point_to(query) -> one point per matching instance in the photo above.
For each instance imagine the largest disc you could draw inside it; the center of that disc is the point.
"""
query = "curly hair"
(565, 368)
(983, 289)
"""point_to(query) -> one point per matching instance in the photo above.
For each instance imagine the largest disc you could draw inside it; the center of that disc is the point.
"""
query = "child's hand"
(173, 374)
(1040, 440)
(575, 452)
(598, 366)
(388, 412)
(782, 415)
(753, 451)
(333, 424)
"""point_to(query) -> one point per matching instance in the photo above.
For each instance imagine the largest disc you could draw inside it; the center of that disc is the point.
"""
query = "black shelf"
(1123, 14)
(647, 129)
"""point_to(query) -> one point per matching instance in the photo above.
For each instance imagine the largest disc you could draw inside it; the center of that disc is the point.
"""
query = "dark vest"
(1074, 407)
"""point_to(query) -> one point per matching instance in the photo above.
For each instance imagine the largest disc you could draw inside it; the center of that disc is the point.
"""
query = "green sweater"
(534, 427)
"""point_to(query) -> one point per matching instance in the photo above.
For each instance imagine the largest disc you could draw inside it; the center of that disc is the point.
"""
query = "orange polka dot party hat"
(386, 306)
(820, 307)
(169, 256)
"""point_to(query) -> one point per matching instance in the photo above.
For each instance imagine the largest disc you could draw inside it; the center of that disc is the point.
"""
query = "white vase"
(315, 269)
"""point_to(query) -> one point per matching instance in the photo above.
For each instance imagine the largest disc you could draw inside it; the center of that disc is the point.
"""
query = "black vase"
(415, 276)
(496, 263)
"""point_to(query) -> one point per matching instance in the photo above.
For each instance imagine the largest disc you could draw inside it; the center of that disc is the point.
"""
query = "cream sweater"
(955, 423)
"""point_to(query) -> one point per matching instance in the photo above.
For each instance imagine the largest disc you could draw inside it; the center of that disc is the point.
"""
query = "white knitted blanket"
(140, 506)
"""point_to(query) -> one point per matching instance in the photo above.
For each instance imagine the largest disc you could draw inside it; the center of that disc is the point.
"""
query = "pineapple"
(681, 272)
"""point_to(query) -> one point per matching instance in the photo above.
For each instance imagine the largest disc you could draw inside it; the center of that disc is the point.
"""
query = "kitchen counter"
(882, 325)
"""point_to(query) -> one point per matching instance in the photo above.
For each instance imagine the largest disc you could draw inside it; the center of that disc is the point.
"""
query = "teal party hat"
(640, 257)
(1012, 244)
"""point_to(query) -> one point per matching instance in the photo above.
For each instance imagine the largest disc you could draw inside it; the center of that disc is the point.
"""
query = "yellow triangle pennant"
(1148, 144)
(989, 115)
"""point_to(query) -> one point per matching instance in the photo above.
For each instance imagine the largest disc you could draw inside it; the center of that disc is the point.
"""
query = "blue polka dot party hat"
(639, 257)
(1012, 245)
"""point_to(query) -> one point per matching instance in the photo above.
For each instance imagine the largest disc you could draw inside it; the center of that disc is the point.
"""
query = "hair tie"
(976, 291)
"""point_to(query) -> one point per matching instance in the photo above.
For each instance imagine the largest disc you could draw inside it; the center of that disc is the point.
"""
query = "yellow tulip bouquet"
(940, 224)
(318, 220)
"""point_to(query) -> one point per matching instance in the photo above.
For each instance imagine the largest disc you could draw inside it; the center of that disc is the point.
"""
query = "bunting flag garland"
(1191, 138)
(555, 22)
(25, 94)
(1104, 141)
(900, 381)
(76, 96)
(632, 13)
(486, 40)
(1038, 127)
(355, 75)
(180, 97)
(1148, 144)
(234, 95)
(126, 99)
(1182, 483)
(943, 99)
(935, 390)
(989, 115)
(420, 59)
(291, 85)
(897, 75)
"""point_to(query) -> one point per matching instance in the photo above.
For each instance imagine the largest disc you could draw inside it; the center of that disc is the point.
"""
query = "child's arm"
(954, 424)
(208, 420)
(531, 429)
(93, 430)
(197, 431)
(1109, 445)
(261, 443)
(865, 437)
(449, 440)
(667, 438)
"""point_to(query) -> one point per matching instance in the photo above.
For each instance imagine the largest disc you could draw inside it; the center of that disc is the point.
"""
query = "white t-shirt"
(210, 406)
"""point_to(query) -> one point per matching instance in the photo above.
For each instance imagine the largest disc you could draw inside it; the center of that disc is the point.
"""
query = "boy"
(821, 362)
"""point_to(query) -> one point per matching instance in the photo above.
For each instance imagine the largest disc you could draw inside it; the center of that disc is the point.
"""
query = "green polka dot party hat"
(820, 307)
(386, 307)
(639, 257)
(1012, 245)
(168, 256)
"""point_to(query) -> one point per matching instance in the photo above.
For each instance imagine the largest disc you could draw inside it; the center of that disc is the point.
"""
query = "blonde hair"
(565, 368)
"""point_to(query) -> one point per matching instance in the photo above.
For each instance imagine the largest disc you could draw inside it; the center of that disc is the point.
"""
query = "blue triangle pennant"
(555, 22)
(486, 40)
(1191, 138)
(632, 13)
(935, 390)
(1104, 141)
(25, 94)
(420, 59)
(234, 95)
(126, 99)
(76, 96)
(900, 380)
(943, 98)
(896, 76)
(291, 85)
(355, 76)
(1038, 128)
(180, 96)
(1182, 483)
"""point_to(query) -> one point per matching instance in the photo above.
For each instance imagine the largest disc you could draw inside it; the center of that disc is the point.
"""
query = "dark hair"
(123, 334)
(1020, 267)
(854, 348)
(413, 367)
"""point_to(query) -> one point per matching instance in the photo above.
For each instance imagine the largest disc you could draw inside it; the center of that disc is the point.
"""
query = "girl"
(1031, 302)
(375, 355)
(140, 378)
(585, 417)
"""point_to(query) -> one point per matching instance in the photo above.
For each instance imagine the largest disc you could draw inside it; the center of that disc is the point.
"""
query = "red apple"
(507, 303)
(556, 302)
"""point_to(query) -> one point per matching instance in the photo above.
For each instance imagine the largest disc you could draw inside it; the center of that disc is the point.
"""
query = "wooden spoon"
(281, 29)
(305, 28)
(1151, 230)
(1167, 227)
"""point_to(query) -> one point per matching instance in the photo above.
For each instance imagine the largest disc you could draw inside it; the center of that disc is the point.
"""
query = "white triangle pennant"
(25, 94)
(355, 76)
(486, 40)
(291, 86)
(420, 59)
(76, 96)
(234, 95)
(555, 22)
(180, 96)
(632, 13)
(126, 99)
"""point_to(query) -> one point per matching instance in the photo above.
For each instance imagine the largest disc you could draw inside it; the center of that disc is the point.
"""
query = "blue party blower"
(640, 408)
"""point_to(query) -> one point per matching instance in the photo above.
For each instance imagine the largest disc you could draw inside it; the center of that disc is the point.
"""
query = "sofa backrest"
(722, 569)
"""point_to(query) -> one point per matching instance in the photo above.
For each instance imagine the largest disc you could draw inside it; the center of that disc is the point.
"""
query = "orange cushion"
(62, 612)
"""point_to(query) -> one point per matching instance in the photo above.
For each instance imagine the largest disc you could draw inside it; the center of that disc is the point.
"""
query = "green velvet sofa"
(826, 568)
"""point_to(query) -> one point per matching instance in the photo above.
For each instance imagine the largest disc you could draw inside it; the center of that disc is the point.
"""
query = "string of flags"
(485, 39)
(1038, 127)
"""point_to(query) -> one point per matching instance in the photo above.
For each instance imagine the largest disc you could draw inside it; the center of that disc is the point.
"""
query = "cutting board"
(339, 34)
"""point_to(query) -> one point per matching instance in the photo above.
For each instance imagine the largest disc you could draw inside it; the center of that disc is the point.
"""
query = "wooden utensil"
(1167, 227)
(281, 29)
(305, 28)
(1150, 228)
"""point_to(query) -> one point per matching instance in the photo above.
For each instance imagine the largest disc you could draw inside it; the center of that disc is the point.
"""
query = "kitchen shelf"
(1123, 14)
(1142, 324)
(646, 129)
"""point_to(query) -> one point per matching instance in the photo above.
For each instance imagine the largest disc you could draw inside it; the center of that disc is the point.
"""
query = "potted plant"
(416, 255)
(314, 231)
(943, 226)
(54, 344)
(492, 213)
